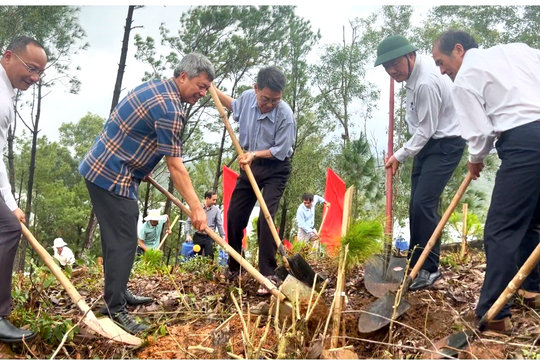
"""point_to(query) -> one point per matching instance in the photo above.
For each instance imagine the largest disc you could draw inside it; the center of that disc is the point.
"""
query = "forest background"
(335, 100)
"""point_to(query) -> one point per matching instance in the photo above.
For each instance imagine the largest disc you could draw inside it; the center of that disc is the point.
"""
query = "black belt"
(269, 161)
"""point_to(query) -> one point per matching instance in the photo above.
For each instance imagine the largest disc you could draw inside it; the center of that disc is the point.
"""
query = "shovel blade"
(104, 326)
(453, 344)
(378, 314)
(384, 275)
(301, 270)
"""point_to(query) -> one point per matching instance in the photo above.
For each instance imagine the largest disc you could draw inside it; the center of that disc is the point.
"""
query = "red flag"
(229, 182)
(335, 195)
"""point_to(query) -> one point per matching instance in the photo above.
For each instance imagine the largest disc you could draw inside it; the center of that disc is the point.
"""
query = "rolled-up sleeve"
(474, 124)
(168, 130)
(284, 140)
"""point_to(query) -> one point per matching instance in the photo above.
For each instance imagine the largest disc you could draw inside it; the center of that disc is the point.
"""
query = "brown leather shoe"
(503, 326)
(532, 302)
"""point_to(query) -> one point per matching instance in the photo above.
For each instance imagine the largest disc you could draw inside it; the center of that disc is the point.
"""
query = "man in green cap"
(435, 144)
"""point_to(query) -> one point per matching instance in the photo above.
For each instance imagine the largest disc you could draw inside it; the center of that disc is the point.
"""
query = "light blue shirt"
(274, 131)
(306, 217)
(151, 234)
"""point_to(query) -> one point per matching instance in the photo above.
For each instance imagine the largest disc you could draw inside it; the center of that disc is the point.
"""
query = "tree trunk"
(19, 266)
(11, 157)
(92, 222)
(219, 171)
(283, 221)
(168, 203)
(90, 229)
(123, 56)
(146, 200)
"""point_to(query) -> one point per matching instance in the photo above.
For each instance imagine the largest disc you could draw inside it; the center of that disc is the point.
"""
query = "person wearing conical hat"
(435, 144)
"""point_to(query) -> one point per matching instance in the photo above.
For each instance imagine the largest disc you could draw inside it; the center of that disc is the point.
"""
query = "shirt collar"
(7, 82)
(205, 207)
(271, 115)
(410, 83)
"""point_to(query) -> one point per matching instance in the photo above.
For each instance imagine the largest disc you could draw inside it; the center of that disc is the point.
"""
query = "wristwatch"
(253, 153)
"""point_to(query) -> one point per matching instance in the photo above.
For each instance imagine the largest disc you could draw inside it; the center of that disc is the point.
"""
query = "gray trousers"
(10, 235)
(117, 217)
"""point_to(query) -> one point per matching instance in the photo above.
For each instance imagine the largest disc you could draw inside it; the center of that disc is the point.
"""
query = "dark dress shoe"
(126, 322)
(12, 334)
(424, 279)
(132, 299)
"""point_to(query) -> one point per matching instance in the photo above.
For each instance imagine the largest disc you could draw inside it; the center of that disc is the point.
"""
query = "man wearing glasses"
(267, 131)
(23, 64)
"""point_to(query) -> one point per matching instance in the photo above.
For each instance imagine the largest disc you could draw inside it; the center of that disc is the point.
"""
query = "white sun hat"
(154, 214)
(59, 242)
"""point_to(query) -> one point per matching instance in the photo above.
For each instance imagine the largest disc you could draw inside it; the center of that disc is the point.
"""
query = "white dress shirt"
(67, 257)
(430, 110)
(495, 90)
(7, 116)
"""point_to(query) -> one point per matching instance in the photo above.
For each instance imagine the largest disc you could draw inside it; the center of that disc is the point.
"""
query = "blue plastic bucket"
(223, 257)
(187, 249)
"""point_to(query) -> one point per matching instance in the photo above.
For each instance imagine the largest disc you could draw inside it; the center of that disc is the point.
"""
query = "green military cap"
(393, 47)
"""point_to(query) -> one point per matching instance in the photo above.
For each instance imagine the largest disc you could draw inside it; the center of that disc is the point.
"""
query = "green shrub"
(364, 239)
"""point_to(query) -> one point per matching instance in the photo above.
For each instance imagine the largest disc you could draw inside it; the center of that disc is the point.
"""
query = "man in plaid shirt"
(145, 126)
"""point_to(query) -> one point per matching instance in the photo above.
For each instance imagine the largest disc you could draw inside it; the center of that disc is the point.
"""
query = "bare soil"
(189, 309)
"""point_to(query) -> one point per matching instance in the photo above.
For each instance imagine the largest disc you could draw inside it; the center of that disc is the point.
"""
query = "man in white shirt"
(62, 253)
(435, 144)
(23, 64)
(497, 97)
(305, 216)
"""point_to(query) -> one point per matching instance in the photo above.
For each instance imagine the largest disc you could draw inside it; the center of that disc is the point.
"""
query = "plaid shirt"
(146, 125)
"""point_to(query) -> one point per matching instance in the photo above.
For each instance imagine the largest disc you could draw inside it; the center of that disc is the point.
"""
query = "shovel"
(459, 341)
(104, 326)
(250, 269)
(378, 314)
(384, 272)
(296, 265)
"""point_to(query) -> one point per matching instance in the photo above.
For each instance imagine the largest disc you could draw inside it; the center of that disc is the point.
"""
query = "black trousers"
(271, 176)
(432, 168)
(510, 233)
(10, 235)
(117, 217)
(206, 243)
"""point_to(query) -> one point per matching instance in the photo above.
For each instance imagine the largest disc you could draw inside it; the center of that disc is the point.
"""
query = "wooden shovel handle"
(438, 230)
(167, 234)
(104, 327)
(55, 269)
(322, 221)
(512, 287)
(250, 269)
(249, 173)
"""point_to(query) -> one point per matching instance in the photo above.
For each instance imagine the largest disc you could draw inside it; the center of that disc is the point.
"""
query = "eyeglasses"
(30, 69)
(266, 100)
